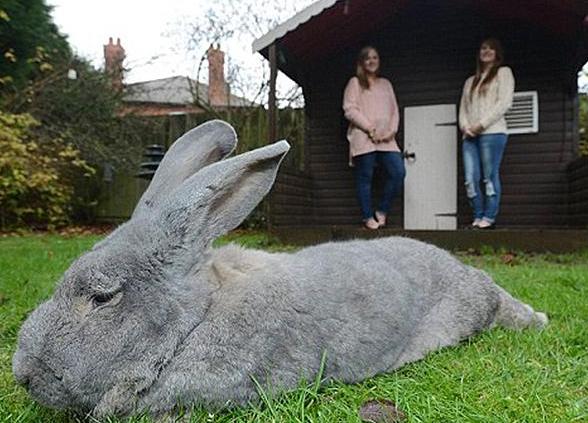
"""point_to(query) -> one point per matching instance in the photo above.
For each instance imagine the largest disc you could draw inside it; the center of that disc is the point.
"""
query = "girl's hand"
(469, 133)
(389, 137)
(476, 129)
(378, 138)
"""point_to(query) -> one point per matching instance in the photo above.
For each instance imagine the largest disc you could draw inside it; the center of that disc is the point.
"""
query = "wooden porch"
(528, 240)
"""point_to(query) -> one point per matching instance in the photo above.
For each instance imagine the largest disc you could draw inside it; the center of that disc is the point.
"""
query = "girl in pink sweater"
(370, 106)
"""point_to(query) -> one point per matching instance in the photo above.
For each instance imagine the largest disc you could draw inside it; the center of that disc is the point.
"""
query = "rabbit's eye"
(101, 299)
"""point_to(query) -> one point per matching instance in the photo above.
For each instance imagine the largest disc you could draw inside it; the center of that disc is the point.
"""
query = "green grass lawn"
(499, 376)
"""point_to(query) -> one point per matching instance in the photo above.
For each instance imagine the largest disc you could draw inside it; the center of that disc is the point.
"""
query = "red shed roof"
(328, 25)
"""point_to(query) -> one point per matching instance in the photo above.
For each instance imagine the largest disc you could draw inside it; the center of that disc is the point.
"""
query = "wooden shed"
(427, 50)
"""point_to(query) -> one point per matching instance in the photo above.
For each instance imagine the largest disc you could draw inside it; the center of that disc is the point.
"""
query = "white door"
(430, 188)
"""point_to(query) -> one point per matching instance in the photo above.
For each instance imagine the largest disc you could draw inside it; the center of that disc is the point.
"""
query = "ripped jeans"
(481, 160)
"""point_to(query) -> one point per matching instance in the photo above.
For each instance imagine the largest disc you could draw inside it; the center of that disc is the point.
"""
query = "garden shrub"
(36, 175)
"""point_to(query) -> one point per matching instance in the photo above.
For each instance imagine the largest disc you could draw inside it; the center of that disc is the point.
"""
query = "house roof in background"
(177, 90)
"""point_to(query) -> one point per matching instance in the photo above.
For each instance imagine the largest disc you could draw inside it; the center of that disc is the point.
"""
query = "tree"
(235, 24)
(58, 113)
(29, 42)
(36, 178)
(83, 112)
(583, 148)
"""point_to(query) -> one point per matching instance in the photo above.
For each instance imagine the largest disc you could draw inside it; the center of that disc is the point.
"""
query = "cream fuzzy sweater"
(487, 109)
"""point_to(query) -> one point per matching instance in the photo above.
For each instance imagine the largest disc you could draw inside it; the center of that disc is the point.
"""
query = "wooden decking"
(531, 240)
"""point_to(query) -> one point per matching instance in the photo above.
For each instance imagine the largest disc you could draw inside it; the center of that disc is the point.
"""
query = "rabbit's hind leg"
(514, 314)
(436, 330)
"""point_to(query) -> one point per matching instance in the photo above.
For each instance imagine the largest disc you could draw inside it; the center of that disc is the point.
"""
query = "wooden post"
(272, 112)
(272, 118)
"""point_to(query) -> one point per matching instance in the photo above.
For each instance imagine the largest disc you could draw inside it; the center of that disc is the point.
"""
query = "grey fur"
(154, 316)
(197, 148)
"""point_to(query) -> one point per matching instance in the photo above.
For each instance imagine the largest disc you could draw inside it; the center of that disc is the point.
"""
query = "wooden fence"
(120, 190)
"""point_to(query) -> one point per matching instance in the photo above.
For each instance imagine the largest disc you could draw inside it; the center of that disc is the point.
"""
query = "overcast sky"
(142, 26)
(153, 35)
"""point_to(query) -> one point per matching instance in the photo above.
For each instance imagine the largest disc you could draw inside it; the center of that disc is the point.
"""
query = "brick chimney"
(114, 54)
(217, 88)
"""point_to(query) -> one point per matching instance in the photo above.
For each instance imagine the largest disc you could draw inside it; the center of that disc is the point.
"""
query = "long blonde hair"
(359, 70)
(495, 45)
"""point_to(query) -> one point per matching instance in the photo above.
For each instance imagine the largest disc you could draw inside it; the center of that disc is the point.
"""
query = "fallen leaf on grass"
(380, 411)
(509, 258)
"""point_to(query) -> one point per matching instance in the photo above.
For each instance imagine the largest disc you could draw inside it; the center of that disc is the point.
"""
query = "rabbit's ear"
(219, 197)
(197, 148)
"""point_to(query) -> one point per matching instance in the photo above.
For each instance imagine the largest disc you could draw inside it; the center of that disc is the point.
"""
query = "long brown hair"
(495, 45)
(359, 70)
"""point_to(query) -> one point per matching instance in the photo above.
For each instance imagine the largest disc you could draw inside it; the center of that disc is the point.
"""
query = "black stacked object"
(153, 156)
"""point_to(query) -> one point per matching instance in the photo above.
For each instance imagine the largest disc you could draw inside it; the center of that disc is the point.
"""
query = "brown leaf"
(380, 411)
(509, 258)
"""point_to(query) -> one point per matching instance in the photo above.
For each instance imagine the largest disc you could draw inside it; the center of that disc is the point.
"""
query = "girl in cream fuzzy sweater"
(486, 97)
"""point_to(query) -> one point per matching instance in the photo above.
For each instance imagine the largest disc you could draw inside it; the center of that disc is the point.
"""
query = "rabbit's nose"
(21, 376)
(22, 370)
(23, 380)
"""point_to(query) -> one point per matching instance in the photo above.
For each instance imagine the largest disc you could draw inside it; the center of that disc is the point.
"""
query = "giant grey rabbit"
(153, 316)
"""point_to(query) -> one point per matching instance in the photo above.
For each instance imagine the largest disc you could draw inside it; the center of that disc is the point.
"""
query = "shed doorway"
(430, 188)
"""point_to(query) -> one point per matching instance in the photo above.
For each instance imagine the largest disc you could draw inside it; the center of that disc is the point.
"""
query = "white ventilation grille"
(523, 116)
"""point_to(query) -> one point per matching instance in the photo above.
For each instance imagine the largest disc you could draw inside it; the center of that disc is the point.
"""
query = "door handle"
(446, 124)
(409, 156)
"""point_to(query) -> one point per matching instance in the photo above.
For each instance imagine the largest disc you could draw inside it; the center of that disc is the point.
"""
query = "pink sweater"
(376, 108)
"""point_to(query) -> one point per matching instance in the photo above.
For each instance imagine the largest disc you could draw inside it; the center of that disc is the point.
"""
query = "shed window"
(523, 116)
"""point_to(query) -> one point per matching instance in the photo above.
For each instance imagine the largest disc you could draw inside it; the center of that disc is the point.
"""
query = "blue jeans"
(393, 164)
(481, 159)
